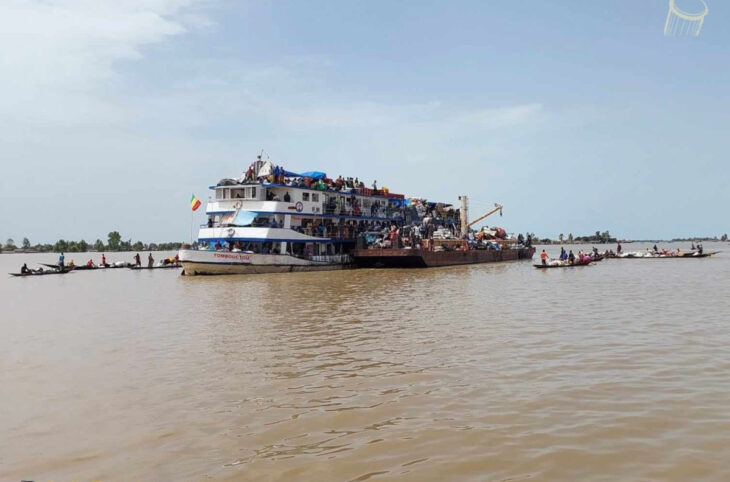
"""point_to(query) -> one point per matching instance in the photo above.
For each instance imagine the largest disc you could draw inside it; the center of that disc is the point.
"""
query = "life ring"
(300, 207)
(237, 205)
(230, 232)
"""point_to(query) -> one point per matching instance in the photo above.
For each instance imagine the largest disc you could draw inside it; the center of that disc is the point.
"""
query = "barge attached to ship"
(424, 258)
(271, 220)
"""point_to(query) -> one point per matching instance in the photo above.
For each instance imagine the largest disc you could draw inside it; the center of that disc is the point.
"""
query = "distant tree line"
(597, 238)
(114, 243)
(606, 238)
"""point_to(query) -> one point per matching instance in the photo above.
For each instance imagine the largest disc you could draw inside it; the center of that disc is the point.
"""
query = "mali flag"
(194, 203)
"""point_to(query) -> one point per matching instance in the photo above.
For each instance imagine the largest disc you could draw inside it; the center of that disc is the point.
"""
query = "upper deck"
(290, 198)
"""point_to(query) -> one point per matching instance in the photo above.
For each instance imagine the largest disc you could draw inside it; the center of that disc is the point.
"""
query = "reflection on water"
(614, 371)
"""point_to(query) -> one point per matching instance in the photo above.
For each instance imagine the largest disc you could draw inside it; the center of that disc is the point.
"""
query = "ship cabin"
(294, 214)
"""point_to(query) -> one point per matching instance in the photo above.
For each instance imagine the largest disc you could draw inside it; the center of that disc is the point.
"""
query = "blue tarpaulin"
(313, 174)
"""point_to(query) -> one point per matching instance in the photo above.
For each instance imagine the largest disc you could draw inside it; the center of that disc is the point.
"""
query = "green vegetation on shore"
(114, 243)
(606, 238)
(597, 238)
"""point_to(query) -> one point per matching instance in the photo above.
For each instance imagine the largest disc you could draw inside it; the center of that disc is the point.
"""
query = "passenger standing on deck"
(103, 260)
(543, 257)
(61, 260)
(150, 261)
(656, 250)
(137, 260)
(563, 254)
(618, 248)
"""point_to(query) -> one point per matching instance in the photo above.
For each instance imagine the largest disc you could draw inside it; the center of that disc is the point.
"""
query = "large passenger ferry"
(271, 220)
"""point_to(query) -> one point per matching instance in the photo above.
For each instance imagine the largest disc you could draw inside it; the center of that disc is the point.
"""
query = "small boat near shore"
(164, 266)
(562, 264)
(40, 273)
(688, 255)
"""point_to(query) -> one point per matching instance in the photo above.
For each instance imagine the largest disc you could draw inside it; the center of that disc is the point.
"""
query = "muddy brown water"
(618, 371)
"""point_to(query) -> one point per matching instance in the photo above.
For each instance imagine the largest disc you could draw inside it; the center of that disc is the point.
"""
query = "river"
(617, 371)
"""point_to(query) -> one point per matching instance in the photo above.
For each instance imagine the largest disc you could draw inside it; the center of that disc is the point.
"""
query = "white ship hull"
(226, 262)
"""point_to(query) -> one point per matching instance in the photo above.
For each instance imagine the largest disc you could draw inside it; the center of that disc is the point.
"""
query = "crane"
(497, 207)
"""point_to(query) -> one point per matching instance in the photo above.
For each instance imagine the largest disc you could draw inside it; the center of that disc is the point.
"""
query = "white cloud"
(55, 56)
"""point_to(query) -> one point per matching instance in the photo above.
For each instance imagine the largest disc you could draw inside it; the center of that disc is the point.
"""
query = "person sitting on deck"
(273, 223)
(89, 263)
(544, 257)
(210, 222)
(24, 269)
(571, 257)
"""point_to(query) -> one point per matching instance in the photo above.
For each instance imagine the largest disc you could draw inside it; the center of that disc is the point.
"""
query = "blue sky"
(577, 116)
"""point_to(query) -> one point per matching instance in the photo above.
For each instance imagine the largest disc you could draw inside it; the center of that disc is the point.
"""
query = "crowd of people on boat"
(568, 258)
(274, 174)
(62, 265)
(656, 252)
